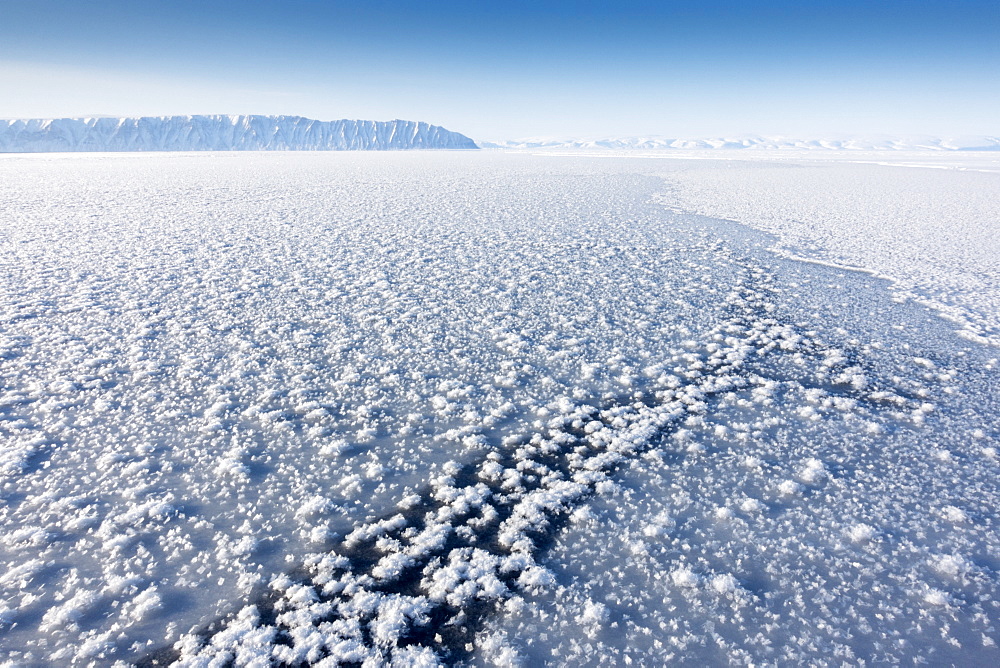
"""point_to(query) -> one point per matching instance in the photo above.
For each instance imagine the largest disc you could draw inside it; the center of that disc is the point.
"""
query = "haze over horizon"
(584, 69)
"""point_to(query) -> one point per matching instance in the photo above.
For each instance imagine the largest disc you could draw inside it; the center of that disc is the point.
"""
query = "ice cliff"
(222, 133)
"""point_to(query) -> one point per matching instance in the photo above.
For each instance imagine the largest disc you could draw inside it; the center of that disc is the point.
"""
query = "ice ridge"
(878, 143)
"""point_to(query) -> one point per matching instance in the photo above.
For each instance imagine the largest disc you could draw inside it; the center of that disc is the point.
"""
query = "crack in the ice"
(416, 585)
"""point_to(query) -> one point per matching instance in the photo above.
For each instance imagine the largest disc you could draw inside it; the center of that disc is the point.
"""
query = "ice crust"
(221, 133)
(430, 408)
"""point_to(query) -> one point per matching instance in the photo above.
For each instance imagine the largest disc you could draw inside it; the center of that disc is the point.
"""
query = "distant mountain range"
(222, 133)
(882, 143)
(295, 133)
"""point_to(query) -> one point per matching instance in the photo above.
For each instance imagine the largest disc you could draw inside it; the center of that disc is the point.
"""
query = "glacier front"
(222, 133)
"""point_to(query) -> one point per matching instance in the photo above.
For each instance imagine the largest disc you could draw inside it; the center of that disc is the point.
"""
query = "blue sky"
(514, 69)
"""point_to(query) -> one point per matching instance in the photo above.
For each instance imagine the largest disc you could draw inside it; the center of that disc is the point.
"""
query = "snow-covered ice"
(936, 233)
(489, 408)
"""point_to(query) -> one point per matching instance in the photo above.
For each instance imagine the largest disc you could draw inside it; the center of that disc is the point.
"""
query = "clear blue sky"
(513, 69)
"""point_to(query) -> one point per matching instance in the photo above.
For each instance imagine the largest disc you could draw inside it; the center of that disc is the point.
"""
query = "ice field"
(490, 408)
(928, 221)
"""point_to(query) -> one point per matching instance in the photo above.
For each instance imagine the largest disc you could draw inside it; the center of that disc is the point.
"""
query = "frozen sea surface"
(487, 408)
(930, 222)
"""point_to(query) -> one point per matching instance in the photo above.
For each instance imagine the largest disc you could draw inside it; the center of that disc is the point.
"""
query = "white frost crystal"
(417, 408)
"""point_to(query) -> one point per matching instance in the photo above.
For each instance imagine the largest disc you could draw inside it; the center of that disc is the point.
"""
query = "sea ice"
(486, 407)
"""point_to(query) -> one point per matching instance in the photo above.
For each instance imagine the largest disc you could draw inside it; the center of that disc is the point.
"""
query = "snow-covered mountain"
(881, 143)
(222, 133)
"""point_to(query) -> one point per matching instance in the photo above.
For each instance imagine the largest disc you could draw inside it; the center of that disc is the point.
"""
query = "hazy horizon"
(563, 137)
